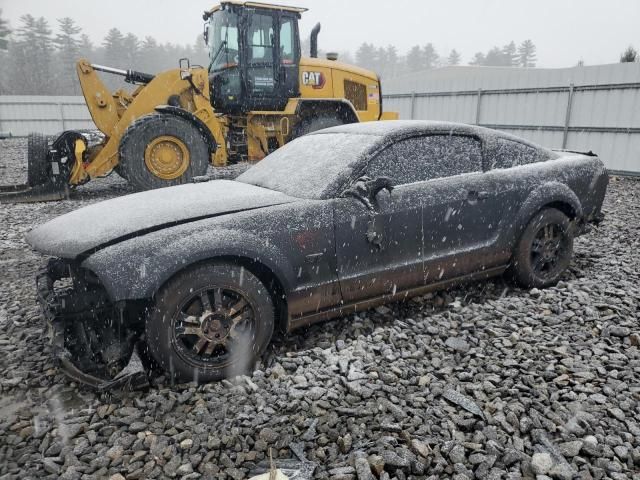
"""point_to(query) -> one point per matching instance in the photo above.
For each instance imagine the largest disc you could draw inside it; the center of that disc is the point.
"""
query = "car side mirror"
(366, 190)
(205, 34)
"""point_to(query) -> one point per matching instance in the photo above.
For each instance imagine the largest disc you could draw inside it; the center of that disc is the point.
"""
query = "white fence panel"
(582, 108)
(21, 115)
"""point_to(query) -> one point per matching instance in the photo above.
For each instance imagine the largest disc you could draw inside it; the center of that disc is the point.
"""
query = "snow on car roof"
(391, 129)
(400, 127)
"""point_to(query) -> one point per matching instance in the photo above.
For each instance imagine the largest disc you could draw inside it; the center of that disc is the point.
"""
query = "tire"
(179, 321)
(311, 124)
(37, 165)
(544, 250)
(120, 171)
(185, 139)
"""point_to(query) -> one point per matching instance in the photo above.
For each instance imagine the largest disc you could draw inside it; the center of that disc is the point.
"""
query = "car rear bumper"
(62, 307)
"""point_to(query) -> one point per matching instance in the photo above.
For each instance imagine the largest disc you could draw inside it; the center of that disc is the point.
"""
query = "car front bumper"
(62, 307)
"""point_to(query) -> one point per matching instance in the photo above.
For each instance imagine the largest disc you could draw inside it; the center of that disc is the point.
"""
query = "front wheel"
(210, 322)
(161, 150)
(544, 250)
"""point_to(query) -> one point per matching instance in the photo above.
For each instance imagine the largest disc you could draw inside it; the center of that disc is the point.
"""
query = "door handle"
(475, 195)
(313, 257)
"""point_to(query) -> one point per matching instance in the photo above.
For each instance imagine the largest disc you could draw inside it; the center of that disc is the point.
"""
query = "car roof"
(390, 130)
(394, 128)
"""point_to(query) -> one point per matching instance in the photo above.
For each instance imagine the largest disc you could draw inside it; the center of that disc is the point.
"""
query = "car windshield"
(223, 40)
(313, 166)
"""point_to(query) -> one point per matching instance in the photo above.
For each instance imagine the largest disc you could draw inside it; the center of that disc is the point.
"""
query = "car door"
(380, 252)
(462, 214)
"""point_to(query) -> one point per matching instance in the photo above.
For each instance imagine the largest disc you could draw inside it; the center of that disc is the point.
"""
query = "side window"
(425, 158)
(506, 154)
(260, 38)
(287, 41)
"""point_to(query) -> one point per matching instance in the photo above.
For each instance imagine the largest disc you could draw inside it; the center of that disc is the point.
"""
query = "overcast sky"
(565, 31)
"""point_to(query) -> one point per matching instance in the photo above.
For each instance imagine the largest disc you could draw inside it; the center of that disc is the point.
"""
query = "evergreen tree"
(85, 47)
(381, 65)
(30, 71)
(630, 55)
(4, 55)
(4, 32)
(366, 55)
(131, 46)
(114, 55)
(454, 58)
(150, 55)
(200, 54)
(496, 58)
(414, 59)
(527, 54)
(67, 44)
(478, 59)
(510, 54)
(114, 51)
(429, 57)
(393, 60)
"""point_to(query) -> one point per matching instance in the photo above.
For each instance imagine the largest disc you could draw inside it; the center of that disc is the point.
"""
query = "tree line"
(387, 62)
(38, 61)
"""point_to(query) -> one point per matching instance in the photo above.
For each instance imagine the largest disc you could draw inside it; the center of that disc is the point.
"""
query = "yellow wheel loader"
(256, 94)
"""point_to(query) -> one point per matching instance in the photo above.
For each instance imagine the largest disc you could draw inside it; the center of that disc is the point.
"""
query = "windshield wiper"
(215, 57)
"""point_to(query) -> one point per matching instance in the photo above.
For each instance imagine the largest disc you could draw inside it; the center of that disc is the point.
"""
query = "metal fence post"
(413, 104)
(478, 101)
(567, 117)
(62, 116)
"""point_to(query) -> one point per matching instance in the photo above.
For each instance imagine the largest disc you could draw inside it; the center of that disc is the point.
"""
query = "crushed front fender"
(92, 340)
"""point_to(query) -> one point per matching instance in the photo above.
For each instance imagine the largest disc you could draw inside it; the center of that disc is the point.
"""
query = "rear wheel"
(544, 250)
(210, 322)
(160, 151)
(311, 124)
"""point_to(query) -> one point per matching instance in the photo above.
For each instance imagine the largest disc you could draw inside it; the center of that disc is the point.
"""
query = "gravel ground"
(482, 381)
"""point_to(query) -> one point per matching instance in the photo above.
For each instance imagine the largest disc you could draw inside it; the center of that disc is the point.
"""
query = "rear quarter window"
(507, 154)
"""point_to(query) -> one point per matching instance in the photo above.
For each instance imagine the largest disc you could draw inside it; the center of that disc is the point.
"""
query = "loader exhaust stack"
(313, 48)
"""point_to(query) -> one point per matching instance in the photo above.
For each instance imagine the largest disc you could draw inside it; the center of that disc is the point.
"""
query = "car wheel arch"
(548, 195)
(265, 273)
(128, 281)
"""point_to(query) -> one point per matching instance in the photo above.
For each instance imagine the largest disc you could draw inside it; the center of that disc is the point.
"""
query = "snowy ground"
(549, 380)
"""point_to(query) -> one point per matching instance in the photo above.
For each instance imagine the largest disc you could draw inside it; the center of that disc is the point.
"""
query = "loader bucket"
(46, 181)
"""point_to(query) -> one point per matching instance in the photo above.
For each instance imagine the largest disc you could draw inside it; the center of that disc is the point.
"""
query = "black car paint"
(318, 255)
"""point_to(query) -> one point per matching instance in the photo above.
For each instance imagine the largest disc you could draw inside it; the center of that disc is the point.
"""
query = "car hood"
(111, 221)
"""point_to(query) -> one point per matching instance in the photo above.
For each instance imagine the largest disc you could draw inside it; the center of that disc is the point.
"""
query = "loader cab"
(254, 56)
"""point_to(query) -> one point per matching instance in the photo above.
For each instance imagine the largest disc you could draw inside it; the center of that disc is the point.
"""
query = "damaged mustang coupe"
(200, 275)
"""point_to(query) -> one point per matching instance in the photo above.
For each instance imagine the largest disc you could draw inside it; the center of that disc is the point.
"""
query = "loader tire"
(161, 151)
(312, 124)
(120, 171)
(37, 165)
